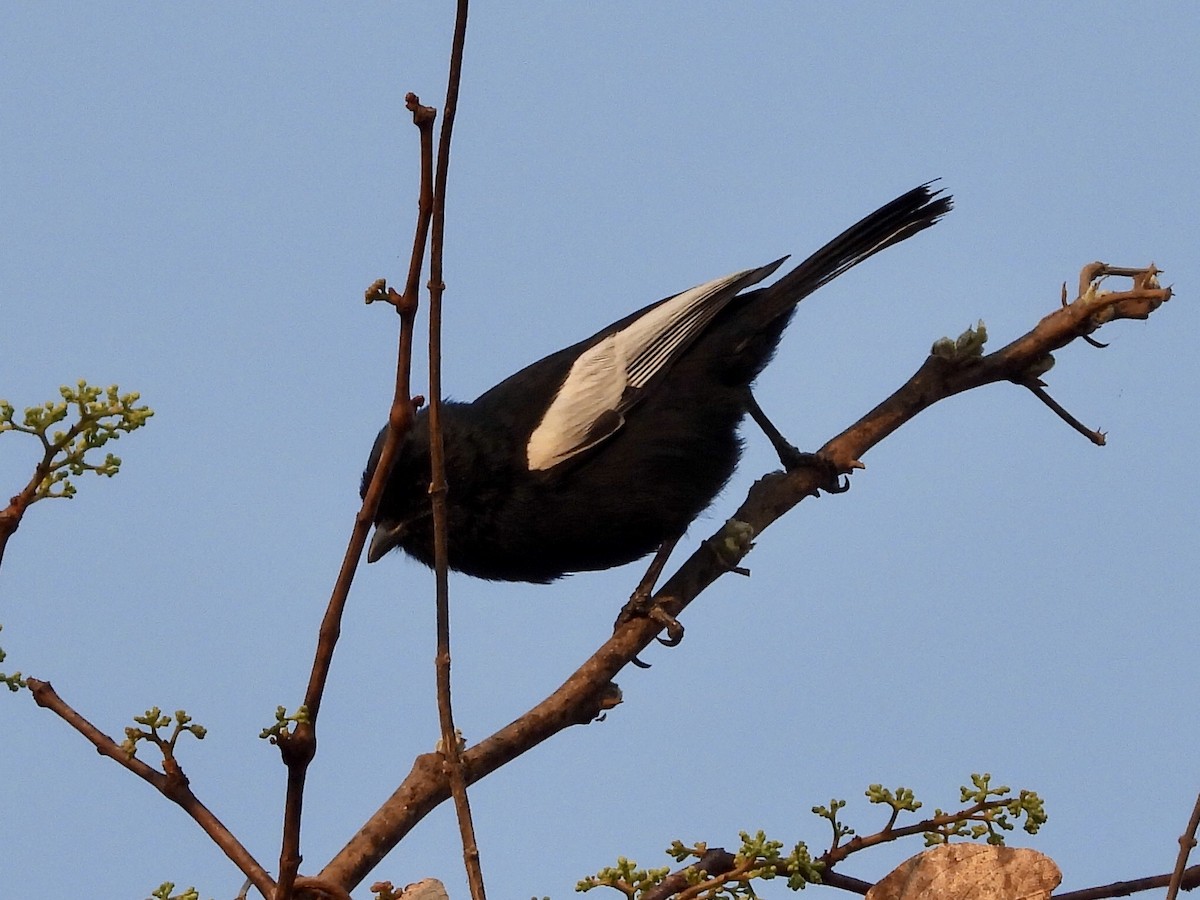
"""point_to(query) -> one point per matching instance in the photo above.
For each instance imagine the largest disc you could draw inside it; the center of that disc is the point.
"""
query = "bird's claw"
(830, 473)
(643, 606)
(638, 607)
(670, 623)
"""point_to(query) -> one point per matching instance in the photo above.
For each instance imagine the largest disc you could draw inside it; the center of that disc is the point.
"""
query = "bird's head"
(404, 506)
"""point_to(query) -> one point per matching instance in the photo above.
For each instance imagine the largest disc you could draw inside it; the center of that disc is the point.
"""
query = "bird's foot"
(643, 605)
(829, 472)
(793, 459)
(654, 612)
(649, 608)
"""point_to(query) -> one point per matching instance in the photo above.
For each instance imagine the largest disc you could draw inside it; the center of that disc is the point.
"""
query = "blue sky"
(193, 200)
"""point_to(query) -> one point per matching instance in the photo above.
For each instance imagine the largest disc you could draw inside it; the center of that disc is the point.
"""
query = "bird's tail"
(890, 224)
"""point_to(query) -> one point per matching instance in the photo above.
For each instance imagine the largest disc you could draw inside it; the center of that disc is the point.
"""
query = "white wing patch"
(603, 381)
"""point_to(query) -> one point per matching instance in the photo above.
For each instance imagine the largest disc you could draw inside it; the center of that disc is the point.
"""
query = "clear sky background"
(193, 200)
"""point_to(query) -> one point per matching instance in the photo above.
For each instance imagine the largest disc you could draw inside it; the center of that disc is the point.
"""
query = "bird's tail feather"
(890, 224)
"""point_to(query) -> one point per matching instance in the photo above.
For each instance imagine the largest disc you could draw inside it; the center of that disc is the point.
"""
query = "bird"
(602, 452)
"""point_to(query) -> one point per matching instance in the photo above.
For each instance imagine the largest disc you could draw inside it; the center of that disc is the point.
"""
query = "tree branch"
(299, 747)
(438, 487)
(589, 691)
(1187, 841)
(1190, 879)
(172, 783)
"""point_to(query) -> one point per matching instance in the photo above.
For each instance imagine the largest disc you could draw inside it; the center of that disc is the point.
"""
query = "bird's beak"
(387, 537)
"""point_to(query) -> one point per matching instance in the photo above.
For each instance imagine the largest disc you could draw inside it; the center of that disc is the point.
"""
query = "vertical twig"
(300, 746)
(1187, 841)
(438, 487)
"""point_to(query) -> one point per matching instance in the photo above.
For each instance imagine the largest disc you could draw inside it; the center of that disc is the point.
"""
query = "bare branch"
(299, 747)
(589, 691)
(172, 783)
(437, 488)
(1187, 841)
(1190, 879)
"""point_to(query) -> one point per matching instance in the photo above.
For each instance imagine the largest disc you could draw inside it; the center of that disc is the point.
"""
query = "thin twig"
(10, 516)
(1190, 879)
(1187, 841)
(1096, 436)
(173, 785)
(722, 867)
(299, 747)
(718, 861)
(438, 487)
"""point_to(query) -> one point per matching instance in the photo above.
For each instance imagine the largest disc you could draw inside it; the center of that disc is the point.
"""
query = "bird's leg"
(641, 603)
(788, 454)
(645, 589)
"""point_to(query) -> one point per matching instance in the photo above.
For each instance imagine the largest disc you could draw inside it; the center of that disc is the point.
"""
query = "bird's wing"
(609, 377)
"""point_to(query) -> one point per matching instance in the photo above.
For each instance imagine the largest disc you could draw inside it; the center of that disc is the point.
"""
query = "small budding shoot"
(100, 415)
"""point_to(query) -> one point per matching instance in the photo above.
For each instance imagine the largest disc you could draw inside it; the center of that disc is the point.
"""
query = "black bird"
(599, 453)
